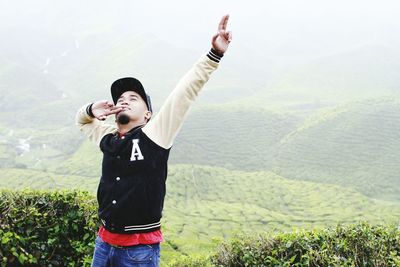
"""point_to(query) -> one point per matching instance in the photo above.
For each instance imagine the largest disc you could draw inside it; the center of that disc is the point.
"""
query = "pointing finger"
(115, 107)
(223, 23)
(113, 111)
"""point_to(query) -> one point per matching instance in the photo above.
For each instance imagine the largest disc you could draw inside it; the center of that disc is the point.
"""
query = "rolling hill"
(354, 145)
(232, 136)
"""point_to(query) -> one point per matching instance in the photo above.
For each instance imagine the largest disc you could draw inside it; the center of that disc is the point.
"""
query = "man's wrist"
(89, 110)
(214, 55)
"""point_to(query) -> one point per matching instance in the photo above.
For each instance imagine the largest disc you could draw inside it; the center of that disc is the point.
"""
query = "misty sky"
(284, 29)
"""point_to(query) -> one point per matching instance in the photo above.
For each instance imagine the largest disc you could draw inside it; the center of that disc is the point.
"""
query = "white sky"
(279, 28)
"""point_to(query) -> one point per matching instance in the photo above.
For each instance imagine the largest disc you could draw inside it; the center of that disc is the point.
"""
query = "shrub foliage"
(53, 228)
(353, 245)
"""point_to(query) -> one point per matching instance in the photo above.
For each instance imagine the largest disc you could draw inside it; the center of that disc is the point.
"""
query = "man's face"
(134, 107)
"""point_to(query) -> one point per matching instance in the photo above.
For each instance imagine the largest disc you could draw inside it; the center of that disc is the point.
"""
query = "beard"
(123, 119)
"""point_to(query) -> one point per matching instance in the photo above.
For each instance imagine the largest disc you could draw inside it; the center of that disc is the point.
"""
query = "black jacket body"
(132, 187)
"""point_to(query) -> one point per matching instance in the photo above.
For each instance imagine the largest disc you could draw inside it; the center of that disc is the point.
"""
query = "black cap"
(123, 85)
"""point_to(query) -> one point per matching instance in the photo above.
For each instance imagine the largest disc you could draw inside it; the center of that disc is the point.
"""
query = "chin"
(123, 118)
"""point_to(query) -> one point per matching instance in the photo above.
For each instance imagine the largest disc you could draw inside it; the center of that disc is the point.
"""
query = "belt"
(121, 247)
(127, 247)
(115, 246)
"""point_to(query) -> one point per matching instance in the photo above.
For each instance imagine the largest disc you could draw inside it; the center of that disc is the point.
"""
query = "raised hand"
(220, 41)
(102, 109)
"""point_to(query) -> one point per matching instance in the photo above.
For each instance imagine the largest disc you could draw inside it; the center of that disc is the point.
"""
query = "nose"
(123, 103)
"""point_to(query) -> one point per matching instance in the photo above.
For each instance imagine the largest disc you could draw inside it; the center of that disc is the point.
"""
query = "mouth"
(124, 109)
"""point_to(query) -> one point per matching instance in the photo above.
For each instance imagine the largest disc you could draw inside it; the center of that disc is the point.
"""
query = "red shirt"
(130, 239)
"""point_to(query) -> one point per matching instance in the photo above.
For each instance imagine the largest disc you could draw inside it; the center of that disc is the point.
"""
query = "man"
(135, 154)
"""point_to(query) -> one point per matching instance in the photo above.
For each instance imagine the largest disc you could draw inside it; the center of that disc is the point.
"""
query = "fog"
(286, 30)
(283, 52)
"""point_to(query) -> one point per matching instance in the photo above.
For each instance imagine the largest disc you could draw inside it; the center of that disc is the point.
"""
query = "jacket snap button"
(118, 157)
(114, 202)
(118, 178)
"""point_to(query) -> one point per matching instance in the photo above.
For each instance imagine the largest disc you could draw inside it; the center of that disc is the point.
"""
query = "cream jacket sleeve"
(163, 128)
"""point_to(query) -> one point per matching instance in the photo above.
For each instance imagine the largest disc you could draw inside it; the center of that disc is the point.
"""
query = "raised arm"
(164, 127)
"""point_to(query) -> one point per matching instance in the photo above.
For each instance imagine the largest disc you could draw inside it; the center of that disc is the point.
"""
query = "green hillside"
(37, 149)
(354, 145)
(207, 201)
(13, 178)
(235, 137)
(85, 161)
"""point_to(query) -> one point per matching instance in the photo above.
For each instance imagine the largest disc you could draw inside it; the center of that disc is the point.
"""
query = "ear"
(148, 114)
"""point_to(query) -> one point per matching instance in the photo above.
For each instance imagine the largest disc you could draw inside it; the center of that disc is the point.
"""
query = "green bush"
(53, 228)
(354, 245)
(190, 261)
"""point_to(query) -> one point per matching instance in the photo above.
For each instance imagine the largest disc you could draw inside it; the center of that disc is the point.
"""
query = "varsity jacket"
(134, 169)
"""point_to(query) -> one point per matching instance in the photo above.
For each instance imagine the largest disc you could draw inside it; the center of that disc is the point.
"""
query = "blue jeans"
(138, 256)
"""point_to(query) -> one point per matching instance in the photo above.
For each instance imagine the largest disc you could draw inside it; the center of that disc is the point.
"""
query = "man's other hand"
(102, 109)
